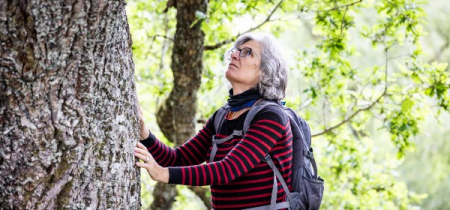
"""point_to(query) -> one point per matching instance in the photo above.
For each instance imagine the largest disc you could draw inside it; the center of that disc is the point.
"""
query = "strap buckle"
(309, 154)
(266, 158)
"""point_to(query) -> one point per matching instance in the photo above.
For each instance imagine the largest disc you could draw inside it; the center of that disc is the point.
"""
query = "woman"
(238, 177)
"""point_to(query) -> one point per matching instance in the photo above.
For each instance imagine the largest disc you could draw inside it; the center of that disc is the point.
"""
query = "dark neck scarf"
(243, 100)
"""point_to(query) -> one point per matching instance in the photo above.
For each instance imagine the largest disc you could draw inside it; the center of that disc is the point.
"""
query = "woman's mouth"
(232, 64)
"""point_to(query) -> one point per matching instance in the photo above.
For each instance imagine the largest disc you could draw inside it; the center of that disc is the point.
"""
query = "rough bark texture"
(176, 117)
(68, 117)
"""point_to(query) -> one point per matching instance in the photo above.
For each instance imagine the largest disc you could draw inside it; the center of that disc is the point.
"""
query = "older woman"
(237, 174)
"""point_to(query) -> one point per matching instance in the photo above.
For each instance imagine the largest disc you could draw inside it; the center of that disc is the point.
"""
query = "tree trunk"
(176, 117)
(68, 117)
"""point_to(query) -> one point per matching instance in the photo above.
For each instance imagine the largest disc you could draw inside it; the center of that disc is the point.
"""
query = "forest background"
(370, 77)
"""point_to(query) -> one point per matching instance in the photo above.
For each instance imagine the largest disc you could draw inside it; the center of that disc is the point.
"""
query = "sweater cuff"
(149, 141)
(175, 175)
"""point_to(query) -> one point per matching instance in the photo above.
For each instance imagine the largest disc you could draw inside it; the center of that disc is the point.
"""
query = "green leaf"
(407, 105)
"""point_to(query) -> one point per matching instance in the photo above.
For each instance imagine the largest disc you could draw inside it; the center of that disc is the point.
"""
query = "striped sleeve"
(192, 152)
(266, 129)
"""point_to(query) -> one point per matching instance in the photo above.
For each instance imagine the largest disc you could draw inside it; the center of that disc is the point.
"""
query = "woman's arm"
(192, 152)
(267, 128)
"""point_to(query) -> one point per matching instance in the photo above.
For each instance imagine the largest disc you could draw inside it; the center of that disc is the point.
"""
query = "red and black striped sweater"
(238, 177)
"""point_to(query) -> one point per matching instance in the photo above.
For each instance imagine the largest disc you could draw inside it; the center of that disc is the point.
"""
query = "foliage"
(364, 68)
(426, 170)
(394, 88)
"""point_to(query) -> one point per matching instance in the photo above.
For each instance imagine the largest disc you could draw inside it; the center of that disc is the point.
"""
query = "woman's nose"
(235, 55)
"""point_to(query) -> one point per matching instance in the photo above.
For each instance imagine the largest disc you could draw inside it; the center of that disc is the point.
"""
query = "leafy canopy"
(356, 67)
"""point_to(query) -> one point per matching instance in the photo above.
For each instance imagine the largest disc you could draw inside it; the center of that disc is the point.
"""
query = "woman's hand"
(144, 133)
(155, 171)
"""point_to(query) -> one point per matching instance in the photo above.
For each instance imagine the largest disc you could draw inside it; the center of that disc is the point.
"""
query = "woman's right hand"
(144, 133)
(155, 171)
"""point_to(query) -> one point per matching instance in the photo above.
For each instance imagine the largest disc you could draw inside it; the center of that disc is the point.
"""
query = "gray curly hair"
(273, 78)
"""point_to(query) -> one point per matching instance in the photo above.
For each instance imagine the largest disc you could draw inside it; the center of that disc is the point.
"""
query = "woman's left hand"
(155, 171)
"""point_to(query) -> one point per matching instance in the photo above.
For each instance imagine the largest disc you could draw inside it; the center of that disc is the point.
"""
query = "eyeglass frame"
(235, 49)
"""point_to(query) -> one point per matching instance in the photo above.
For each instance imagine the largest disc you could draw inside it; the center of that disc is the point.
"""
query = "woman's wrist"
(164, 175)
(145, 135)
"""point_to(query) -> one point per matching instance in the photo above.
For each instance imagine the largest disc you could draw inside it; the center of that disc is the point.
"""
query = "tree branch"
(338, 7)
(347, 119)
(165, 44)
(201, 192)
(306, 103)
(216, 8)
(350, 117)
(343, 20)
(220, 44)
(166, 37)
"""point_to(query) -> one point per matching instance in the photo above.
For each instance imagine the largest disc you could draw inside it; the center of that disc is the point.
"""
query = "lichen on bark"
(68, 116)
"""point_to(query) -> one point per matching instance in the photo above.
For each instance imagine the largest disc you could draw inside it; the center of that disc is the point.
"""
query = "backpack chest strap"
(273, 200)
(216, 142)
(280, 178)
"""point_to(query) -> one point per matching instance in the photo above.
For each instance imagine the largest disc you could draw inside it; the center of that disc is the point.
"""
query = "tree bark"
(176, 117)
(68, 116)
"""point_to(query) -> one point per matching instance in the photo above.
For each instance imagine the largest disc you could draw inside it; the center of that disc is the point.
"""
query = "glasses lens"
(245, 52)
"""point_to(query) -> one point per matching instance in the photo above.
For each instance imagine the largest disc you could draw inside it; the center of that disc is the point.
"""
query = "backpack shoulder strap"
(253, 111)
(220, 117)
(305, 131)
(298, 123)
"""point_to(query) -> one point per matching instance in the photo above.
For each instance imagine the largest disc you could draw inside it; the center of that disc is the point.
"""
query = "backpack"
(307, 186)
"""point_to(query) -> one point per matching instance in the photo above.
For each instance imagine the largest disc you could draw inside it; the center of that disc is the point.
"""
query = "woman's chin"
(229, 73)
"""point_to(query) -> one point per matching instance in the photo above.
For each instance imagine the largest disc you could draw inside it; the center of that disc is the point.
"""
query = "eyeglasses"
(242, 52)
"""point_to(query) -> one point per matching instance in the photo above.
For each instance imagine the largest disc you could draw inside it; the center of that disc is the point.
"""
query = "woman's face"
(243, 72)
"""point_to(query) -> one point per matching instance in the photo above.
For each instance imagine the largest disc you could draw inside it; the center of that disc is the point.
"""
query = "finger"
(141, 156)
(140, 110)
(140, 145)
(141, 165)
(141, 151)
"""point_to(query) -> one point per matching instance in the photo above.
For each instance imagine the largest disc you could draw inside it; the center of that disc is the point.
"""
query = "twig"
(366, 83)
(166, 37)
(343, 20)
(323, 113)
(220, 44)
(401, 12)
(306, 103)
(216, 8)
(338, 7)
(400, 56)
(351, 116)
(365, 108)
(165, 44)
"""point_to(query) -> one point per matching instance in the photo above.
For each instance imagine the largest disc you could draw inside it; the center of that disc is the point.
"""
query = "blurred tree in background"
(370, 77)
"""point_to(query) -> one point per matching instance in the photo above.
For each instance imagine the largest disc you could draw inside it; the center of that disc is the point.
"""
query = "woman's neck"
(233, 115)
(238, 89)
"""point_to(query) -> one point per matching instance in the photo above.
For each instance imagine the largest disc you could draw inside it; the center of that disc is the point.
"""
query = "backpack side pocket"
(314, 191)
